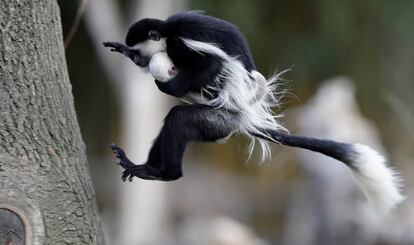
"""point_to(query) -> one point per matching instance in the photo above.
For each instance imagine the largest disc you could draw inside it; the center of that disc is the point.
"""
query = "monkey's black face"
(147, 36)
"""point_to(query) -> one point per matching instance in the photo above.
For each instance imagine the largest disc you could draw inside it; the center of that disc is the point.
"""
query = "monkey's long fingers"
(117, 47)
(113, 44)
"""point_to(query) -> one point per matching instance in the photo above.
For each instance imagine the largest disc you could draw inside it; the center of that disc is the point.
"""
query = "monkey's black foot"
(142, 171)
(122, 159)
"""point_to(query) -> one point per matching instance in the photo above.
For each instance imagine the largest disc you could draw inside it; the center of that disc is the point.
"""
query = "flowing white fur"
(240, 93)
(381, 184)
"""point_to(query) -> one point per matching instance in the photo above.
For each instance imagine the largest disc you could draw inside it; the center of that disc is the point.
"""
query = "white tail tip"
(381, 184)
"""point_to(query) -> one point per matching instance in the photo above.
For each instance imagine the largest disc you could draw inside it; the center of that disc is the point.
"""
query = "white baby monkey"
(161, 67)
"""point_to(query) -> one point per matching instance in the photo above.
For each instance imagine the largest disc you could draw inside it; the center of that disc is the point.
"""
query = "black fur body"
(187, 123)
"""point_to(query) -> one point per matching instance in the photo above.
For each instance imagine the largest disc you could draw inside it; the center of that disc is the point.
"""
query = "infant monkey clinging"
(206, 62)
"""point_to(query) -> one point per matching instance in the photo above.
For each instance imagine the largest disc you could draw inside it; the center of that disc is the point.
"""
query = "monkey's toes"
(134, 171)
(127, 174)
(122, 159)
(119, 153)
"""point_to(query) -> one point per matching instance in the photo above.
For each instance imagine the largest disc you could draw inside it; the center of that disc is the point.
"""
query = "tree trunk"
(44, 176)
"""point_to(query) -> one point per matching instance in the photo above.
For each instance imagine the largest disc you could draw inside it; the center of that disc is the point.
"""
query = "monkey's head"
(147, 36)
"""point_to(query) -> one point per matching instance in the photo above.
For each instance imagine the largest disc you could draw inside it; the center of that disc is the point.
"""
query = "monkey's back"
(203, 28)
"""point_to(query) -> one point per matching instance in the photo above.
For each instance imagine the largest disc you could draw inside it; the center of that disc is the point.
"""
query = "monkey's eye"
(154, 35)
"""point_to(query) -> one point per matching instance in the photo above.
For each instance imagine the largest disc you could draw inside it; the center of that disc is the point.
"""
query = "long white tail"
(381, 184)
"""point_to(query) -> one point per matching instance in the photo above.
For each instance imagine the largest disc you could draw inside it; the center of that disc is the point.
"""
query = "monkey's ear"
(154, 35)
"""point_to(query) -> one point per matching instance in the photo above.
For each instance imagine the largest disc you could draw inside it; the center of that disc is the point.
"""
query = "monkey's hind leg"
(182, 125)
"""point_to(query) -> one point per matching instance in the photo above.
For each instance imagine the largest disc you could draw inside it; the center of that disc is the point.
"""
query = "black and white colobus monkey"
(217, 76)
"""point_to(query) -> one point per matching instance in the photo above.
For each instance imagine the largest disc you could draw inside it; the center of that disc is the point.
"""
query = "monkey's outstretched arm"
(132, 54)
(182, 125)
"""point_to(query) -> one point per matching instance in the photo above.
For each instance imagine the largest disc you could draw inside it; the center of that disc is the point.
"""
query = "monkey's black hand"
(132, 54)
(117, 47)
(142, 171)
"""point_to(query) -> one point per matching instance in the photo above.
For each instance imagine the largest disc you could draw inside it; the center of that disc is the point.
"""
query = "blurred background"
(351, 79)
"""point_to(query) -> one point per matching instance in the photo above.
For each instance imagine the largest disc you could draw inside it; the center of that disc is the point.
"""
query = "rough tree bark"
(44, 176)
